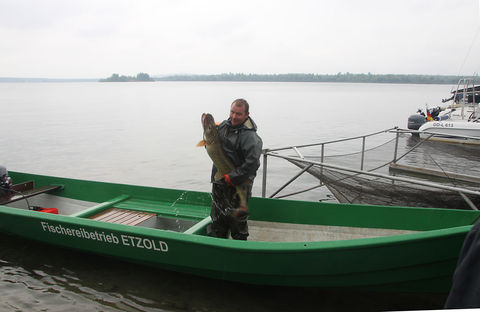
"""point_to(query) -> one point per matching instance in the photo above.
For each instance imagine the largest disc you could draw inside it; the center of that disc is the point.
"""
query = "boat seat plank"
(122, 216)
(138, 219)
(113, 215)
(105, 215)
(126, 217)
(199, 226)
(288, 232)
(22, 187)
(25, 190)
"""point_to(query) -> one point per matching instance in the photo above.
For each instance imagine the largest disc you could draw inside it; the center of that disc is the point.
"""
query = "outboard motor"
(416, 121)
(5, 181)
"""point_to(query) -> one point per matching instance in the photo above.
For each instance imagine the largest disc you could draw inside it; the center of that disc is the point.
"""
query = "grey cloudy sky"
(95, 38)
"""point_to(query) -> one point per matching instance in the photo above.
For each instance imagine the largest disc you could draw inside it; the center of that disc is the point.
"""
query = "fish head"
(208, 123)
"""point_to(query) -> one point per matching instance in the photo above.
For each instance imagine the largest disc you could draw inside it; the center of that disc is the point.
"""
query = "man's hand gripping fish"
(213, 145)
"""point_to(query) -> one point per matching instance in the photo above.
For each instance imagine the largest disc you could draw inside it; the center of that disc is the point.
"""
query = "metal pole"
(473, 99)
(396, 148)
(469, 202)
(322, 156)
(463, 99)
(300, 192)
(264, 176)
(291, 180)
(363, 153)
(329, 142)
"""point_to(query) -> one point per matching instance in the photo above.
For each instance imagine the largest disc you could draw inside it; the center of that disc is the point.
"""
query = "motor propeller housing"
(5, 181)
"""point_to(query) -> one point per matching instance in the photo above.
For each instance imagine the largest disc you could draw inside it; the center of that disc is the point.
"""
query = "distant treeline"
(340, 77)
(15, 79)
(118, 78)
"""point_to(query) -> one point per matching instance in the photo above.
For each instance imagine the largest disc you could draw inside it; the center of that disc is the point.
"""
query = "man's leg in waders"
(221, 202)
(238, 224)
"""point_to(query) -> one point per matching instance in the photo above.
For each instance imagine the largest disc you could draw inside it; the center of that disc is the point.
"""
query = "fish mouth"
(207, 120)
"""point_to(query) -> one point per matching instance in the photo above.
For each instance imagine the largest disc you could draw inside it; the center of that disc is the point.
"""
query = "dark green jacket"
(244, 147)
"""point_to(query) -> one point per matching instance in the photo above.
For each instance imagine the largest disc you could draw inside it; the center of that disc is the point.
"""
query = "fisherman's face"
(238, 115)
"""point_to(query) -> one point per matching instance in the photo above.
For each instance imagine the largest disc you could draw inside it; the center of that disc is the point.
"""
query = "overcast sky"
(95, 38)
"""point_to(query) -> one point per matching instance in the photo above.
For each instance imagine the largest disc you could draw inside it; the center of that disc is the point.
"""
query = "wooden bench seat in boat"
(123, 216)
(144, 219)
(25, 190)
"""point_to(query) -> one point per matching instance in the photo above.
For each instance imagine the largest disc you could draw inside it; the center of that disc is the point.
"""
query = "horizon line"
(233, 74)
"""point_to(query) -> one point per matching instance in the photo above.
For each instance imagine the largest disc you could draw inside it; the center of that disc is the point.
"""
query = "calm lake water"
(145, 133)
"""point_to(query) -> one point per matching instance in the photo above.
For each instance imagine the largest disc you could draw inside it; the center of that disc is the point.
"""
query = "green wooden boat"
(291, 243)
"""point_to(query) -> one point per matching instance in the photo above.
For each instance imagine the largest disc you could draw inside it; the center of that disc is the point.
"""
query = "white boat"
(457, 123)
(451, 130)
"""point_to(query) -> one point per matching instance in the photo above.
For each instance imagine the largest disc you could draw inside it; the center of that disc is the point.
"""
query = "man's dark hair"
(241, 102)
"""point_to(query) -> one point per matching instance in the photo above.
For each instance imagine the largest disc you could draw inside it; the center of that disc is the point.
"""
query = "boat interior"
(179, 217)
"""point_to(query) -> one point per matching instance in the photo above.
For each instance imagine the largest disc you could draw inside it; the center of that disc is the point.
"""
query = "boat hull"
(452, 131)
(423, 260)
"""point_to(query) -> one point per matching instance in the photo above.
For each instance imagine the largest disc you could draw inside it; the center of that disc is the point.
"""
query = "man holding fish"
(235, 149)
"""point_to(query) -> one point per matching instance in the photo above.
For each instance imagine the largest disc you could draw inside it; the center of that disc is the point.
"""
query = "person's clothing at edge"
(465, 291)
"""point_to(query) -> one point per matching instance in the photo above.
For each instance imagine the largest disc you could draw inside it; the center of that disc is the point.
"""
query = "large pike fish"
(213, 145)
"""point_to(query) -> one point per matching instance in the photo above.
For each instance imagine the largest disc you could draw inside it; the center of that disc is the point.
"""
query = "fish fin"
(202, 143)
(218, 176)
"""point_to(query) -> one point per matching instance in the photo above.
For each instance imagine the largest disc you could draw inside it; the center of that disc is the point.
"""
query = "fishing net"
(451, 163)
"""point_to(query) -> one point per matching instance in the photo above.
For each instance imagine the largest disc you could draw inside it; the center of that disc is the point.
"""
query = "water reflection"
(59, 280)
